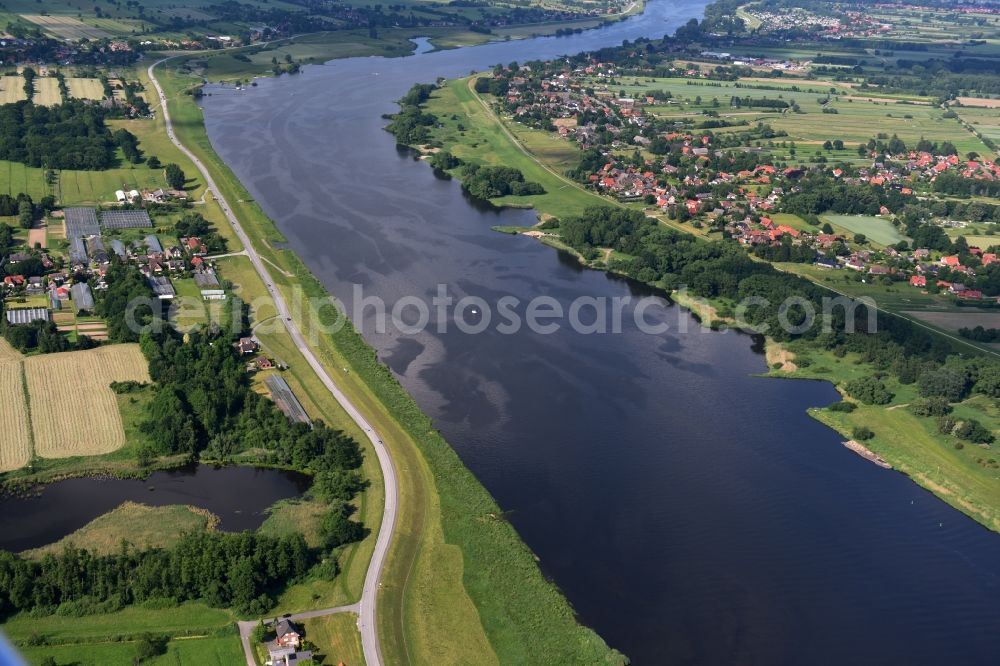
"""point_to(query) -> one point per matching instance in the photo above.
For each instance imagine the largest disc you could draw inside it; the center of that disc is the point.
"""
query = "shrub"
(943, 382)
(936, 406)
(973, 431)
(862, 434)
(150, 646)
(842, 406)
(869, 390)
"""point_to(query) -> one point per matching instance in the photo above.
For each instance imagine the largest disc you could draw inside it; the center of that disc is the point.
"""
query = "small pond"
(239, 496)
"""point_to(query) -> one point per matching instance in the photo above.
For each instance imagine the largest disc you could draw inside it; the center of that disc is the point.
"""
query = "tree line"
(241, 571)
(722, 270)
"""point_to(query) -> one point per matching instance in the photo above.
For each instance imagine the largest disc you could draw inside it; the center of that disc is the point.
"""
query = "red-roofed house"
(918, 281)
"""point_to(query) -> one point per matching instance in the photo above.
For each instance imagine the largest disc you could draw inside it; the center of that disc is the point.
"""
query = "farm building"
(213, 294)
(153, 243)
(206, 279)
(26, 315)
(125, 197)
(96, 251)
(83, 298)
(118, 248)
(125, 219)
(286, 401)
(77, 251)
(161, 287)
(80, 222)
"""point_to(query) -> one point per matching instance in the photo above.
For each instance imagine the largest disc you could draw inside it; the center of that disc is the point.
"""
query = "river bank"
(960, 477)
(439, 594)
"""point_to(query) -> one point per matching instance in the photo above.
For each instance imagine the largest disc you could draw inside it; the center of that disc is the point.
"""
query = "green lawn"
(793, 221)
(208, 651)
(191, 619)
(876, 229)
(337, 638)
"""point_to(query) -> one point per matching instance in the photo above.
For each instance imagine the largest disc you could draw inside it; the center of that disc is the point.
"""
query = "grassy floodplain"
(460, 585)
(965, 477)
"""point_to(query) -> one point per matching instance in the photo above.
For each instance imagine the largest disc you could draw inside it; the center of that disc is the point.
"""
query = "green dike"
(460, 586)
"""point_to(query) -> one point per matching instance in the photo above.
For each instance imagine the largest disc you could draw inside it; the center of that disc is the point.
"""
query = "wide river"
(690, 511)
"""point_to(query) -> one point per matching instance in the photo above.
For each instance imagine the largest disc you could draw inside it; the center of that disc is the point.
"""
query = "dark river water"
(65, 506)
(690, 511)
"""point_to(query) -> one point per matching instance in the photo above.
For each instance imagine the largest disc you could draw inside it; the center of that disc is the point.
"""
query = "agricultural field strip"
(15, 442)
(73, 410)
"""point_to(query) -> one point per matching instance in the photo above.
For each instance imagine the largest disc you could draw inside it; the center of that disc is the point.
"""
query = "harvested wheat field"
(983, 102)
(15, 444)
(73, 410)
(85, 88)
(8, 353)
(47, 91)
(66, 27)
(11, 89)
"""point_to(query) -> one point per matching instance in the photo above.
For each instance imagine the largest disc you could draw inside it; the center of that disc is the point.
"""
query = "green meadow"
(875, 229)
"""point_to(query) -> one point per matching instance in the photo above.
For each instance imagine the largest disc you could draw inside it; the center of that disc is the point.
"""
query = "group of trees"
(758, 103)
(410, 125)
(980, 334)
(42, 336)
(819, 193)
(66, 136)
(27, 211)
(950, 182)
(489, 182)
(129, 145)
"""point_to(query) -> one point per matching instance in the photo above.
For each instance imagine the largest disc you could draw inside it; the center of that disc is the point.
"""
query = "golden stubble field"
(72, 408)
(15, 451)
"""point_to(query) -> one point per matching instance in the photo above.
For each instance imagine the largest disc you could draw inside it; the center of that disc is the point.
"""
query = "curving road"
(369, 597)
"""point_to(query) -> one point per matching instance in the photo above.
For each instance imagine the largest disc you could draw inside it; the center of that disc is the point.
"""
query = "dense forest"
(67, 136)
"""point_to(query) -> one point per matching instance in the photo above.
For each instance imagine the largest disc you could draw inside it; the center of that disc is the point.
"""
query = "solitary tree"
(175, 177)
